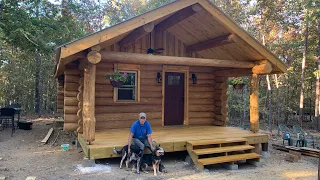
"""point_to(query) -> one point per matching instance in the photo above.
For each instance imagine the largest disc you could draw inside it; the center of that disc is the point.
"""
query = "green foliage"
(118, 76)
(236, 80)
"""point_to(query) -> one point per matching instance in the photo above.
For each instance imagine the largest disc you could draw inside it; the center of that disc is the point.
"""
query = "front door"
(174, 99)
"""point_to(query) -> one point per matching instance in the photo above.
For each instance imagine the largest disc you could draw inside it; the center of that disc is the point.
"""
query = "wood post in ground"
(254, 103)
(89, 121)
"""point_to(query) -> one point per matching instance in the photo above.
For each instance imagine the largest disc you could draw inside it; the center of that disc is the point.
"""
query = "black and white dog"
(134, 155)
(153, 160)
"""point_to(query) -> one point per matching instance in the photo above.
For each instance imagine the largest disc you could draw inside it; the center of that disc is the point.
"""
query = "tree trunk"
(269, 104)
(303, 65)
(244, 104)
(37, 83)
(278, 103)
(317, 107)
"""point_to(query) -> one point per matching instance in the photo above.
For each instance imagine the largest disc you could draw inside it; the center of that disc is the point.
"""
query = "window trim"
(127, 67)
(135, 87)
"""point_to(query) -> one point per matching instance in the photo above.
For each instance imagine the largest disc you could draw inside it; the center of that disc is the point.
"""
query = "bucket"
(65, 147)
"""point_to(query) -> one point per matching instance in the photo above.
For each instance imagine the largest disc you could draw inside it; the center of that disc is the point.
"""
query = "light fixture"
(159, 77)
(194, 78)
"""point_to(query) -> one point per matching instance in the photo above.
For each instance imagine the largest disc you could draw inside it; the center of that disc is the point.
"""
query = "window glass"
(128, 91)
(173, 80)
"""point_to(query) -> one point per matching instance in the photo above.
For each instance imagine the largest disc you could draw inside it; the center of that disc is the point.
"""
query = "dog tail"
(116, 152)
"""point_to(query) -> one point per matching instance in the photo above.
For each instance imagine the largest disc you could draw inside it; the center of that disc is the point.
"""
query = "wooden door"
(174, 99)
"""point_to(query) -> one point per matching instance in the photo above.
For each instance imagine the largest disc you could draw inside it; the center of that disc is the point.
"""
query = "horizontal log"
(71, 109)
(264, 67)
(80, 96)
(211, 43)
(221, 97)
(149, 82)
(201, 121)
(234, 72)
(151, 89)
(104, 72)
(146, 94)
(79, 114)
(71, 101)
(72, 79)
(149, 75)
(145, 67)
(134, 108)
(80, 129)
(203, 76)
(221, 117)
(220, 123)
(201, 101)
(221, 79)
(94, 57)
(102, 80)
(72, 71)
(201, 89)
(124, 124)
(126, 116)
(204, 82)
(70, 127)
(221, 111)
(222, 85)
(103, 65)
(123, 57)
(199, 95)
(201, 115)
(201, 69)
(60, 98)
(201, 108)
(221, 103)
(71, 86)
(81, 81)
(71, 118)
(80, 104)
(104, 87)
(104, 94)
(109, 101)
(60, 106)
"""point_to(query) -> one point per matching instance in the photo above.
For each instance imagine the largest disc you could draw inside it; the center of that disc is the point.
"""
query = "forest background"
(30, 30)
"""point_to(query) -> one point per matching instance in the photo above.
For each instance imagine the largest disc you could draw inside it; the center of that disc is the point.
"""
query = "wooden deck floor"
(171, 138)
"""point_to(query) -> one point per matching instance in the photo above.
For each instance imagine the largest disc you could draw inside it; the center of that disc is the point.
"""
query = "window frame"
(128, 68)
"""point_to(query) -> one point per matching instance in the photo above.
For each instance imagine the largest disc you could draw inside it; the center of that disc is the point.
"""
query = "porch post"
(88, 113)
(254, 103)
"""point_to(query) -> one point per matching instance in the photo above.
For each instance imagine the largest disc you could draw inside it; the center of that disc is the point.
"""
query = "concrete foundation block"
(254, 162)
(2, 177)
(78, 145)
(265, 154)
(88, 162)
(230, 166)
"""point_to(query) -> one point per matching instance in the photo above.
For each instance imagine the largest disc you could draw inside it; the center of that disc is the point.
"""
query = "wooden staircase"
(230, 150)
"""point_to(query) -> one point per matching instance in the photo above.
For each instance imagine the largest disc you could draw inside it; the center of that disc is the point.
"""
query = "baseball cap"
(142, 114)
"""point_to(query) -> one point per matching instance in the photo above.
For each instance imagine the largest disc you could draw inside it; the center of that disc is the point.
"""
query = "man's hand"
(152, 148)
(129, 150)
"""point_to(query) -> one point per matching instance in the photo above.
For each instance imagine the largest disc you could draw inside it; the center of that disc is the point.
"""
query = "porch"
(171, 138)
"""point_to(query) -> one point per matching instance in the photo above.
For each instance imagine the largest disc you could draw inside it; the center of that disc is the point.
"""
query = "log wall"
(71, 85)
(207, 98)
(60, 97)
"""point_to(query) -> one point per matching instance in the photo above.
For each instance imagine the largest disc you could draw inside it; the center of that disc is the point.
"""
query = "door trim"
(180, 69)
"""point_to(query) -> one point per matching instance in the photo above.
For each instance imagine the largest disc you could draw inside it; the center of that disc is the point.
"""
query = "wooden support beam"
(211, 43)
(254, 103)
(89, 121)
(134, 58)
(178, 17)
(264, 67)
(234, 72)
(137, 34)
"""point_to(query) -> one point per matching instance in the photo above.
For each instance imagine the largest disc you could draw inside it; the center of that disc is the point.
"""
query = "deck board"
(172, 138)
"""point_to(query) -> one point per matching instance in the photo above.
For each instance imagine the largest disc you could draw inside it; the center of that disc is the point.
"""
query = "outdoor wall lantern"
(194, 78)
(159, 77)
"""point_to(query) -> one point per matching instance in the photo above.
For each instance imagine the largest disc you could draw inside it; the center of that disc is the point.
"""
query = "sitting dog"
(135, 155)
(156, 159)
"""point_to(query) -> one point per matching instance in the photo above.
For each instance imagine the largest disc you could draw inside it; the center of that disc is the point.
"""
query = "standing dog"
(134, 155)
(156, 159)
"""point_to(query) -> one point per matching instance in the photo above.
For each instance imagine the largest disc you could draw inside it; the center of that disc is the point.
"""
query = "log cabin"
(178, 59)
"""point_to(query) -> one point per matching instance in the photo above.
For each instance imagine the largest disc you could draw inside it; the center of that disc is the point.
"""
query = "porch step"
(231, 158)
(222, 149)
(216, 141)
(228, 150)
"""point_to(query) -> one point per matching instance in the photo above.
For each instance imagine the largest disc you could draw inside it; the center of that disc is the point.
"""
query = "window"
(173, 80)
(128, 91)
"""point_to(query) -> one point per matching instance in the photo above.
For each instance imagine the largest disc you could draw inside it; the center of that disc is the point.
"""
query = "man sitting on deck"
(140, 134)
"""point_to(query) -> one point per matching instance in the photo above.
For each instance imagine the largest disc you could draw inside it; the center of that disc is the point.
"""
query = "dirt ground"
(24, 155)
